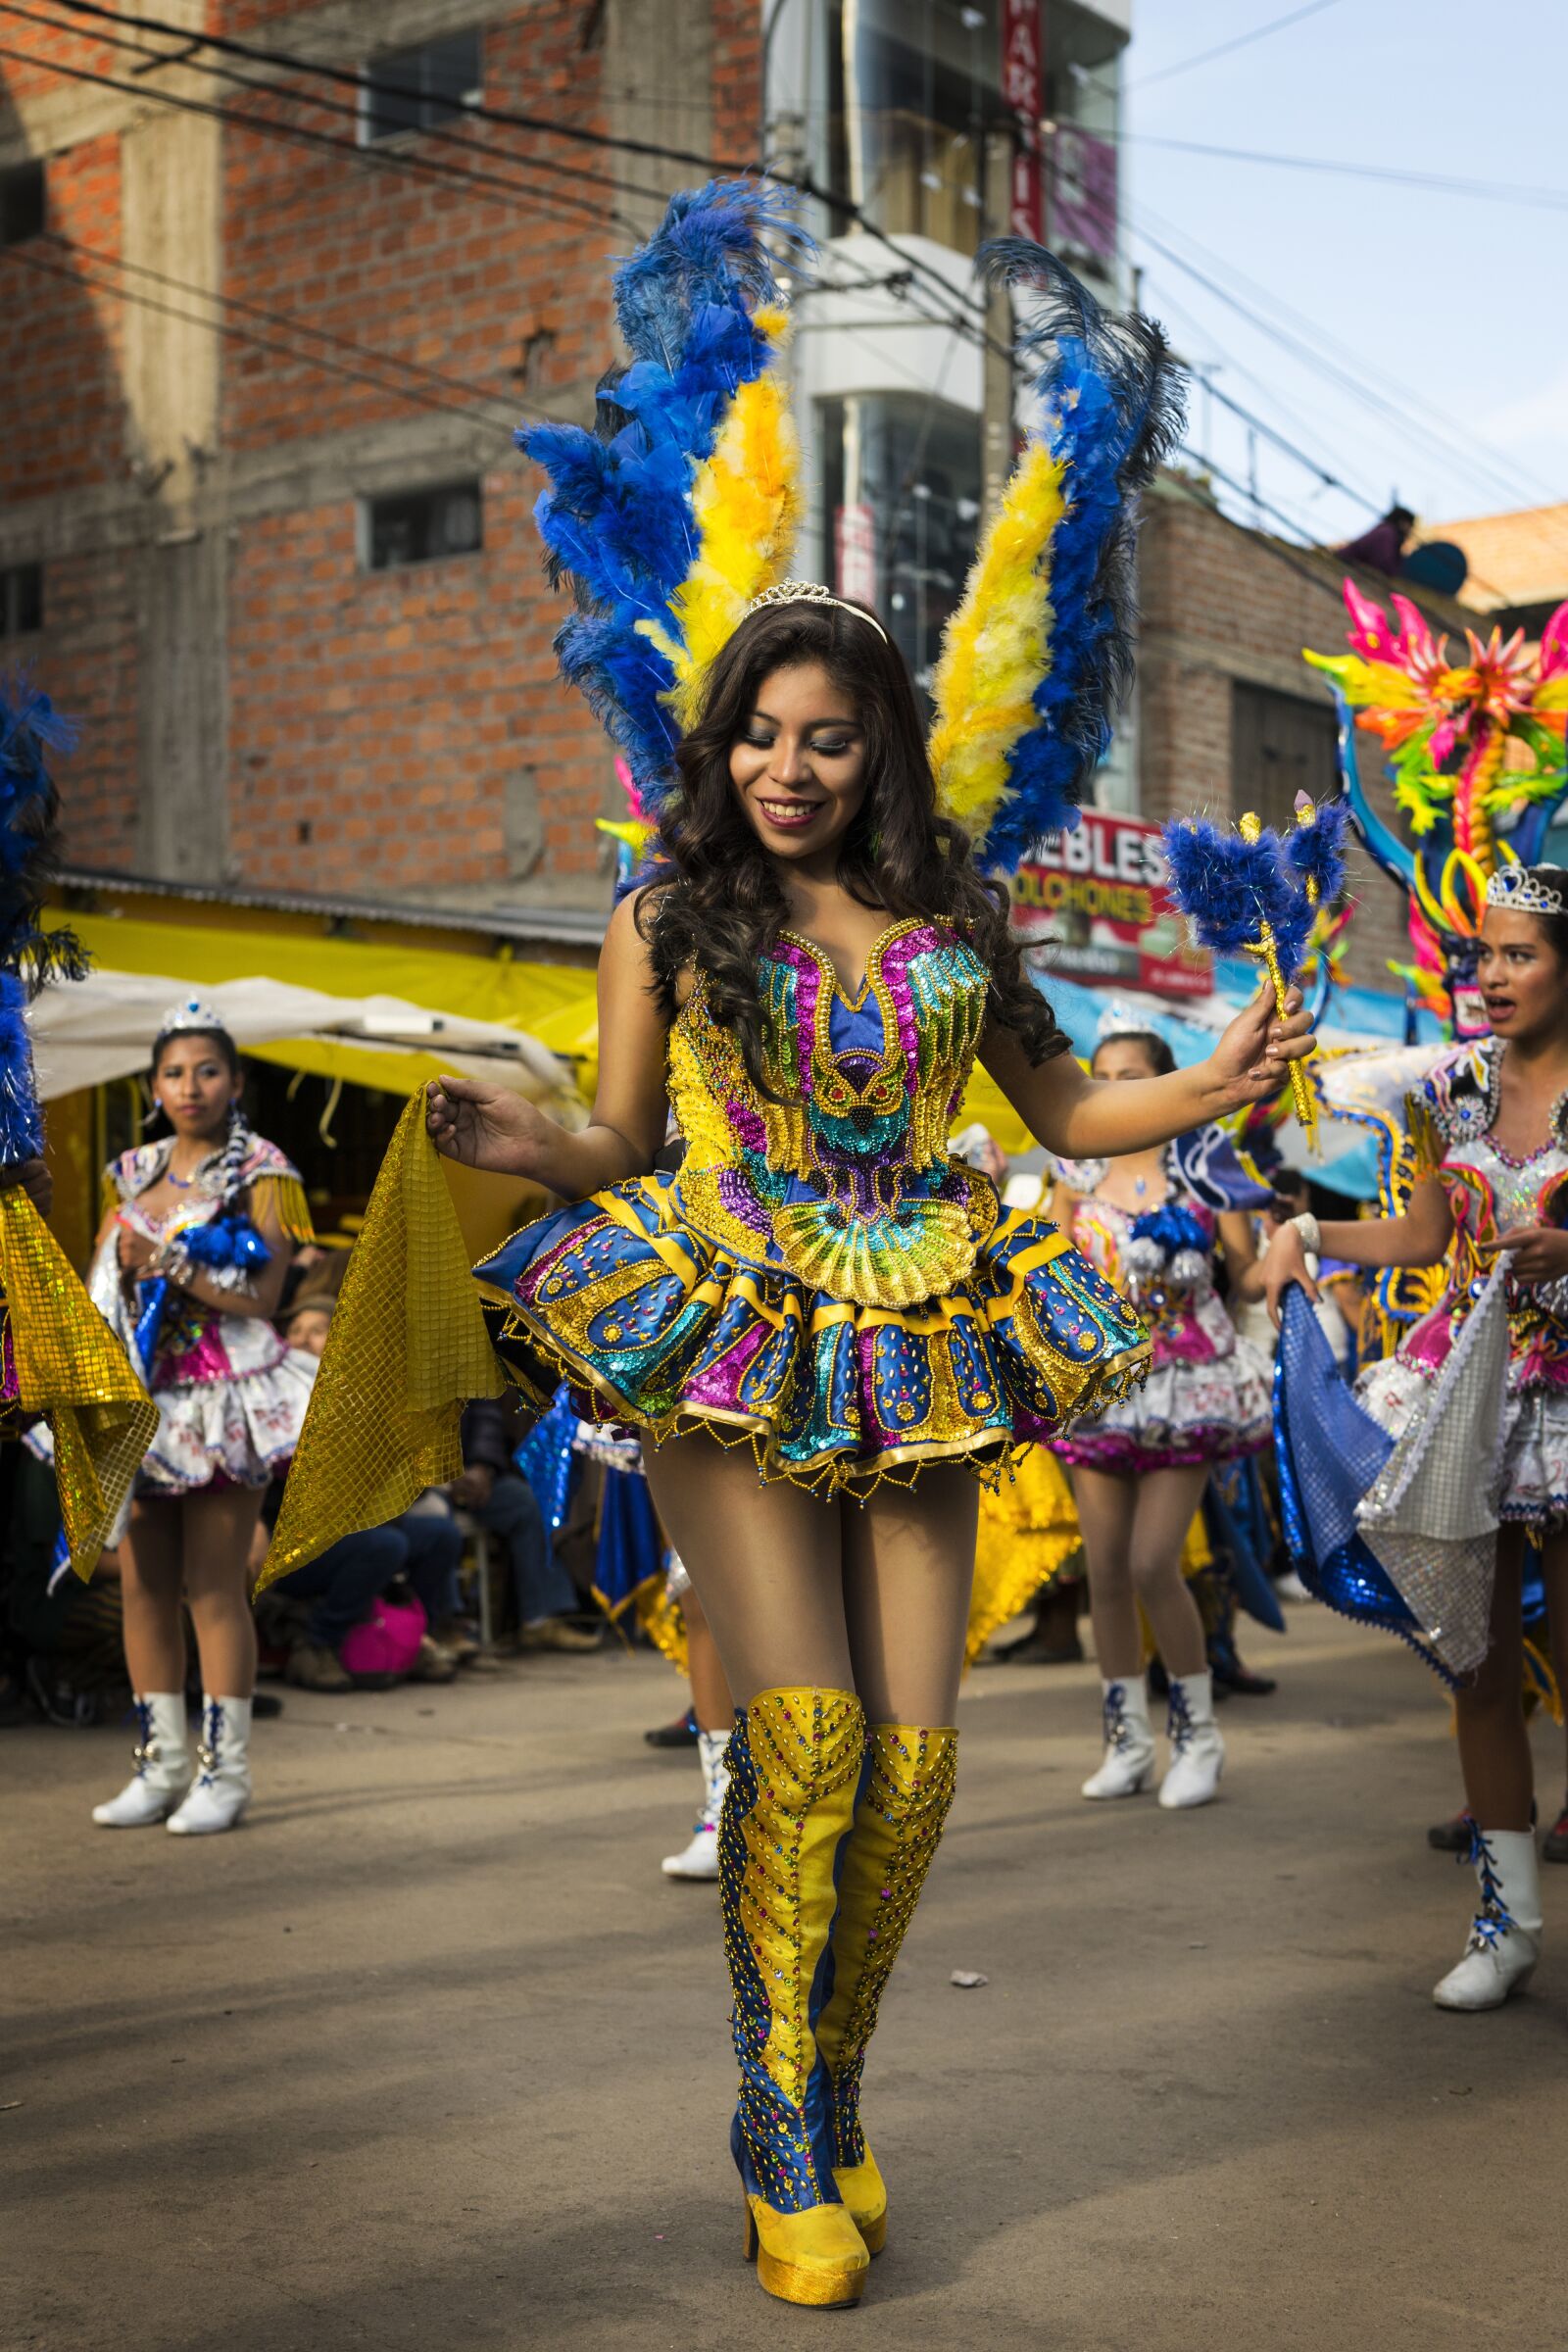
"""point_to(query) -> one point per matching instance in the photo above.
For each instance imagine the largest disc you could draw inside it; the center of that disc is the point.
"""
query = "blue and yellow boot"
(794, 1762)
(904, 1795)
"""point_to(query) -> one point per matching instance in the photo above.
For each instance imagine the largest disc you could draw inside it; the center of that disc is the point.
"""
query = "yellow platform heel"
(903, 1803)
(796, 1761)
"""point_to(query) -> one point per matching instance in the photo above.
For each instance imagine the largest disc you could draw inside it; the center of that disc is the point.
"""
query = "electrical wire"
(1241, 40)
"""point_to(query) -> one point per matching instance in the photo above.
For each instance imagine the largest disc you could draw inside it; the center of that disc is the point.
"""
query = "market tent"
(101, 1028)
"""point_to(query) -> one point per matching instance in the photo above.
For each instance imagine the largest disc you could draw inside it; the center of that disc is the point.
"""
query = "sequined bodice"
(843, 1176)
(1489, 1189)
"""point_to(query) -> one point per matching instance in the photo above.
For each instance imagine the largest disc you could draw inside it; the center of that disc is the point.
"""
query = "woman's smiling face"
(799, 764)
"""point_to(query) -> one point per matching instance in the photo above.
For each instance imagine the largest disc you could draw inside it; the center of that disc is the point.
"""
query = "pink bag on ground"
(387, 1643)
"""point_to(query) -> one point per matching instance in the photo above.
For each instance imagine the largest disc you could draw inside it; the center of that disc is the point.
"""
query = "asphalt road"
(428, 2054)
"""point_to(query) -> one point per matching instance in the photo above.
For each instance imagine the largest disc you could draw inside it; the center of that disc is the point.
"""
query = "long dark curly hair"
(715, 900)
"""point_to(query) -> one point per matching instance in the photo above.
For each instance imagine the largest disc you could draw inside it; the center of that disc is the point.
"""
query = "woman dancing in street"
(189, 1269)
(1494, 1181)
(1139, 1467)
(822, 1323)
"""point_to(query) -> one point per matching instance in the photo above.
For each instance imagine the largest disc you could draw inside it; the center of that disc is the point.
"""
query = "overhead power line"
(1241, 40)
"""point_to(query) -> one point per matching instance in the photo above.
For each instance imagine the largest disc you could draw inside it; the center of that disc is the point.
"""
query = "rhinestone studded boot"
(1504, 1942)
(903, 1801)
(794, 1762)
(163, 1765)
(1128, 1764)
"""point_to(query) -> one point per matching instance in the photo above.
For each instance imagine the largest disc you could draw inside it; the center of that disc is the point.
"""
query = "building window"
(902, 506)
(20, 599)
(418, 88)
(1281, 745)
(419, 527)
(21, 203)
(912, 85)
(1083, 105)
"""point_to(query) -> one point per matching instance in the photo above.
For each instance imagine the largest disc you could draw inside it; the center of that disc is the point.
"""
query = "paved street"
(428, 2054)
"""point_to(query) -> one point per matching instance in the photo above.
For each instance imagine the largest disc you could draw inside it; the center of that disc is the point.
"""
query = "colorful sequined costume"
(1489, 1192)
(1208, 1395)
(820, 1277)
(231, 1397)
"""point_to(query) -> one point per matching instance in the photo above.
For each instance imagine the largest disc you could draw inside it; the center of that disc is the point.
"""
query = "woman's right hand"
(1285, 1263)
(134, 1250)
(488, 1126)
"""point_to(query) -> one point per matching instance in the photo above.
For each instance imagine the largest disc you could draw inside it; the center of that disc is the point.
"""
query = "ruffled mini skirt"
(658, 1326)
(1534, 1488)
(1209, 1398)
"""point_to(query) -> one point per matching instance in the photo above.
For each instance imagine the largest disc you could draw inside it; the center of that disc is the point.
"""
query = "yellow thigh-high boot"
(795, 1761)
(903, 1803)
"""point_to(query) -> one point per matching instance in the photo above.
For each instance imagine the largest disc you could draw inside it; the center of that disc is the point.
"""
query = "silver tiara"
(1124, 1021)
(191, 1015)
(811, 592)
(1516, 888)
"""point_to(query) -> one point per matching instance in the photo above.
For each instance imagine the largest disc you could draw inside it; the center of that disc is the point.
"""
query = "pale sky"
(1451, 308)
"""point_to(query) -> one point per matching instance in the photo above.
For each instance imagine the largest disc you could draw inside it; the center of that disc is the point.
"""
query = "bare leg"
(765, 1563)
(1164, 1506)
(150, 1577)
(218, 1539)
(1106, 1517)
(908, 1563)
(1554, 1574)
(1494, 1746)
(710, 1699)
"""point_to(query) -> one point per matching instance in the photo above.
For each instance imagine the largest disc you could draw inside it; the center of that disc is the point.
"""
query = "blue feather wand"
(1249, 892)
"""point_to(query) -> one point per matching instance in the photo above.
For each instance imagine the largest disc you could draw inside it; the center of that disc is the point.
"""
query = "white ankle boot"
(222, 1786)
(163, 1765)
(1505, 1934)
(1129, 1760)
(1196, 1751)
(700, 1859)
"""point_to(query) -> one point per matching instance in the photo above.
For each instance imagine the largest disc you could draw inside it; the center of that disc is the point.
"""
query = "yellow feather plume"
(745, 500)
(996, 646)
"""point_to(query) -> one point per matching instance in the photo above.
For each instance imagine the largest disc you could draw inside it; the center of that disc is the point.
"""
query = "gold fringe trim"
(284, 1195)
(407, 1350)
(72, 1369)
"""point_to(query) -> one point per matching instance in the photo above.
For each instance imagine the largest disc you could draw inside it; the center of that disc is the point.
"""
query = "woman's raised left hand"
(1536, 1253)
(1252, 1060)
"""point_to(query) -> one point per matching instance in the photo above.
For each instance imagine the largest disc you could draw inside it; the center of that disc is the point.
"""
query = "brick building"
(261, 523)
(1230, 716)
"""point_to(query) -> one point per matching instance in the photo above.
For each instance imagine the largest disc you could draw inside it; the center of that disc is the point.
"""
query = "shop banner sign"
(1096, 901)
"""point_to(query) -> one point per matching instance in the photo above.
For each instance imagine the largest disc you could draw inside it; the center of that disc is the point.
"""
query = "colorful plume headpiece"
(681, 506)
(1038, 655)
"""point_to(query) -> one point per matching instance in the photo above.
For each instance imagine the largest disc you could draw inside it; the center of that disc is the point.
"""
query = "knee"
(512, 1508)
(1491, 1695)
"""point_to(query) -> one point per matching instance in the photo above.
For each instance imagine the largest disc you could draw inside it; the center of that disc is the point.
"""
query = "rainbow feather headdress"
(1038, 655)
(683, 503)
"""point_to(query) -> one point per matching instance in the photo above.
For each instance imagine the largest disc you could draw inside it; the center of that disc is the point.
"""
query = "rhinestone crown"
(811, 592)
(1517, 888)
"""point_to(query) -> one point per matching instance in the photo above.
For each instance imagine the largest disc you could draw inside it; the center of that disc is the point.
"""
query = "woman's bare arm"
(1078, 1117)
(488, 1126)
(1419, 1237)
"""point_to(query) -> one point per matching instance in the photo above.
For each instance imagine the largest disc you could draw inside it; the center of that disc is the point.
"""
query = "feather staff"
(1037, 658)
(1249, 892)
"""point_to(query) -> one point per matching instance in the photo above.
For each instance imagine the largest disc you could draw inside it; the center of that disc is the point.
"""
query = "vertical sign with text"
(1023, 92)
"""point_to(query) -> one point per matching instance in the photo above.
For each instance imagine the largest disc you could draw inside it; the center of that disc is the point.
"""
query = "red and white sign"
(1096, 897)
(1024, 90)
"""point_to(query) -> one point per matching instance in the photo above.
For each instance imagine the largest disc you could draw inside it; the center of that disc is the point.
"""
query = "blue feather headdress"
(681, 504)
(30, 728)
(1038, 657)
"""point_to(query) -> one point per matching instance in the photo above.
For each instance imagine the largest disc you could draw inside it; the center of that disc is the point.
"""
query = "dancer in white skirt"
(189, 1269)
(1139, 1467)
(1477, 1393)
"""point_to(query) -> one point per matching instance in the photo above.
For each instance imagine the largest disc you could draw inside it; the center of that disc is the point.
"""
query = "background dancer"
(188, 1268)
(1140, 1466)
(1492, 1123)
(820, 1295)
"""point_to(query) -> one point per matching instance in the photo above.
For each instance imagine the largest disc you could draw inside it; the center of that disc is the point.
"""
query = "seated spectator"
(501, 1502)
(344, 1582)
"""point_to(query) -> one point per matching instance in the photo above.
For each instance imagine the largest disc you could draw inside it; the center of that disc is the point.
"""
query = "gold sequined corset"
(843, 1179)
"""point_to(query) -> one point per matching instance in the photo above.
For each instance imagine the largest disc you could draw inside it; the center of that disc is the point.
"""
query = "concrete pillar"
(651, 49)
(172, 196)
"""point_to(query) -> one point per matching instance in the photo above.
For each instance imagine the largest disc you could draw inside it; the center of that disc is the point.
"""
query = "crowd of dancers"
(826, 1330)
